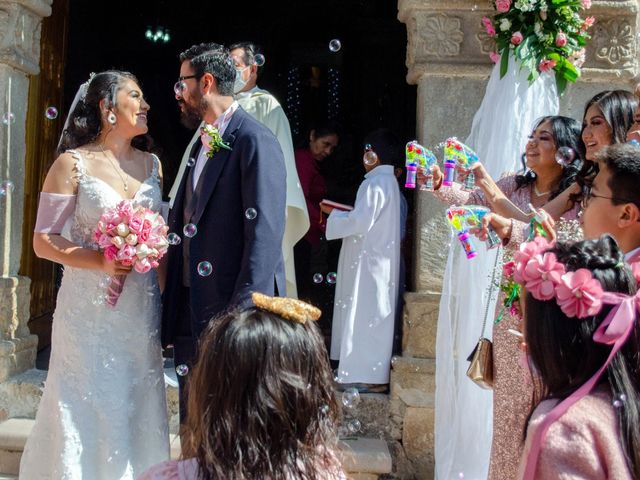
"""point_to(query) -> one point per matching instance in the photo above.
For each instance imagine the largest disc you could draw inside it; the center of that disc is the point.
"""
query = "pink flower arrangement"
(516, 38)
(503, 6)
(543, 275)
(495, 57)
(546, 65)
(135, 237)
(588, 23)
(586, 4)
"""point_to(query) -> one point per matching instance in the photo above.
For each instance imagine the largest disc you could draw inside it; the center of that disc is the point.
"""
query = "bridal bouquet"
(135, 236)
(543, 35)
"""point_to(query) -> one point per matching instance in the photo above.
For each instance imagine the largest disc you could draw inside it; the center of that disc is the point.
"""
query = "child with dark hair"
(582, 337)
(261, 399)
(368, 268)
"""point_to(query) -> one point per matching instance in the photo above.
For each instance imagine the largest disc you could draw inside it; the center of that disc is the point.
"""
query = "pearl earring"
(111, 118)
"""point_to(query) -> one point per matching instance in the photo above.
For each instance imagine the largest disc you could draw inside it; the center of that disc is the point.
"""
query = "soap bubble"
(182, 369)
(205, 269)
(190, 230)
(565, 156)
(174, 239)
(335, 45)
(354, 426)
(317, 278)
(99, 300)
(8, 118)
(394, 360)
(7, 187)
(51, 113)
(370, 157)
(104, 282)
(351, 398)
(259, 60)
(191, 162)
(331, 278)
(617, 403)
(324, 409)
(250, 213)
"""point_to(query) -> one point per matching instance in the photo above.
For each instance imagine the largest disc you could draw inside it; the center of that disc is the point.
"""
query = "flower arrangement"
(212, 140)
(135, 237)
(543, 35)
(512, 291)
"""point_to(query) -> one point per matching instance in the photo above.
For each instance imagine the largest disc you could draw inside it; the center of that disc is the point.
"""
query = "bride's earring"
(111, 118)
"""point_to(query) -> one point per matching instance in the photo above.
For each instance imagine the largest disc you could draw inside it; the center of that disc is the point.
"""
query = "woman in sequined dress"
(542, 179)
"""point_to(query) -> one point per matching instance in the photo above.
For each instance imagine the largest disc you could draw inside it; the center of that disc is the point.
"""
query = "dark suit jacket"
(246, 254)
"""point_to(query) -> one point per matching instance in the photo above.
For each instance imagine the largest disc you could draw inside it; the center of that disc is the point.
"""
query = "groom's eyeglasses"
(180, 86)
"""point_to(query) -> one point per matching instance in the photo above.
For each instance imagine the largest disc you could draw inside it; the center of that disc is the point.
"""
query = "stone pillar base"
(18, 347)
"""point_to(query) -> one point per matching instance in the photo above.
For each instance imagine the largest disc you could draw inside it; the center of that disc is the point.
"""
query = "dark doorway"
(362, 85)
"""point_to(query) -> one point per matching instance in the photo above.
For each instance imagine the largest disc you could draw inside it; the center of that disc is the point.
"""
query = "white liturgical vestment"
(367, 283)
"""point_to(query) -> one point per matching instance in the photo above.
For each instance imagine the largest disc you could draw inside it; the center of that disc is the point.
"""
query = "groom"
(229, 208)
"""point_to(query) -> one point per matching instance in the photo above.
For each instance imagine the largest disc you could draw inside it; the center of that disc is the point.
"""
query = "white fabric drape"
(463, 417)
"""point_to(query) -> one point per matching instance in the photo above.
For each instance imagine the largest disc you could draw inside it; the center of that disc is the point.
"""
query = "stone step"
(363, 458)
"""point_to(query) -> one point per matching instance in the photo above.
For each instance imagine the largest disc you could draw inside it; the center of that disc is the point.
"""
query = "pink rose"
(145, 230)
(579, 294)
(135, 223)
(508, 269)
(142, 265)
(588, 23)
(561, 40)
(586, 4)
(503, 6)
(110, 253)
(495, 57)
(127, 252)
(517, 38)
(124, 209)
(488, 26)
(546, 65)
(104, 241)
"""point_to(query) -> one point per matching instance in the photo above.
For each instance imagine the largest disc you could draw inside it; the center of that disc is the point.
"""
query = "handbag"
(480, 369)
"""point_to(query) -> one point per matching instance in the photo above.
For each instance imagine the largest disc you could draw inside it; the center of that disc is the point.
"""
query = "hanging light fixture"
(160, 35)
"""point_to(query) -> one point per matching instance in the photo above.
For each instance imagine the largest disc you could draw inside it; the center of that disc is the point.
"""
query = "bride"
(103, 411)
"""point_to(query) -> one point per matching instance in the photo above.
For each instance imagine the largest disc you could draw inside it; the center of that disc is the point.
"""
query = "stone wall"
(447, 60)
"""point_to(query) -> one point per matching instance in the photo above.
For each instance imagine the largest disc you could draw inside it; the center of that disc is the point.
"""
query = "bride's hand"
(115, 267)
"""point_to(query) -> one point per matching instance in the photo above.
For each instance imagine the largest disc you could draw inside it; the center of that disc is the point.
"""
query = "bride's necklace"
(118, 170)
(539, 193)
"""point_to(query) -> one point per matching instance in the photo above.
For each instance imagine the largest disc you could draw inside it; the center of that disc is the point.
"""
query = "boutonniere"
(212, 140)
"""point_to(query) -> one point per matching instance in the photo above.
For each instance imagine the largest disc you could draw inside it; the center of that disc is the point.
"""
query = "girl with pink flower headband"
(583, 342)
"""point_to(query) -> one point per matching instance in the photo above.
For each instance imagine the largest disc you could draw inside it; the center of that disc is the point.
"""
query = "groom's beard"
(191, 116)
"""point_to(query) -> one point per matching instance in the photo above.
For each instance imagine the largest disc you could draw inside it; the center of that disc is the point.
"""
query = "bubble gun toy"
(465, 217)
(418, 157)
(457, 154)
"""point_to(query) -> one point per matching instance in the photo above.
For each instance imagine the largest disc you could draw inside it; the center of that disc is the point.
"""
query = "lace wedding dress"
(103, 411)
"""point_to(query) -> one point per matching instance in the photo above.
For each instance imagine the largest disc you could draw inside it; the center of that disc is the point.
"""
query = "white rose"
(122, 230)
(142, 251)
(118, 241)
(131, 239)
(505, 24)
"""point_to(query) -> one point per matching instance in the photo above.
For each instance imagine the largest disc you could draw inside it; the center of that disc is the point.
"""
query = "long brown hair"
(260, 401)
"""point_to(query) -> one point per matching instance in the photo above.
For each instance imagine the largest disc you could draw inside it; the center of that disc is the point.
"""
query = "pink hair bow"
(614, 330)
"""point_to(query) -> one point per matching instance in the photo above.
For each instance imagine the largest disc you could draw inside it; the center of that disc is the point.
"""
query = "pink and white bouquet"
(134, 236)
(542, 35)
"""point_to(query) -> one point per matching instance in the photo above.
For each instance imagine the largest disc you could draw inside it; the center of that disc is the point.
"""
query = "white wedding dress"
(103, 411)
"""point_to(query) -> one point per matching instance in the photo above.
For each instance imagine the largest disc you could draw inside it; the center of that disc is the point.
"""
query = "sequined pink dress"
(512, 390)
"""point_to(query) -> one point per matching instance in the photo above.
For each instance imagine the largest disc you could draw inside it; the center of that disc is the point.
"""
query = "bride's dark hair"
(85, 122)
(260, 401)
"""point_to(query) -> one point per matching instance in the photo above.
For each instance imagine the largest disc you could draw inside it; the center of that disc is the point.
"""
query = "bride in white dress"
(103, 411)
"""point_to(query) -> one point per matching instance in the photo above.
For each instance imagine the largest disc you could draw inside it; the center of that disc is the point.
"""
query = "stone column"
(447, 59)
(19, 58)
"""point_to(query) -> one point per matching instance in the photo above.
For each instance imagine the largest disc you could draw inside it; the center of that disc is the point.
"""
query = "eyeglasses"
(180, 86)
(587, 194)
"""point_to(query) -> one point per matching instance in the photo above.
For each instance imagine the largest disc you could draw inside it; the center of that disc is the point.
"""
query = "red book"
(336, 205)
